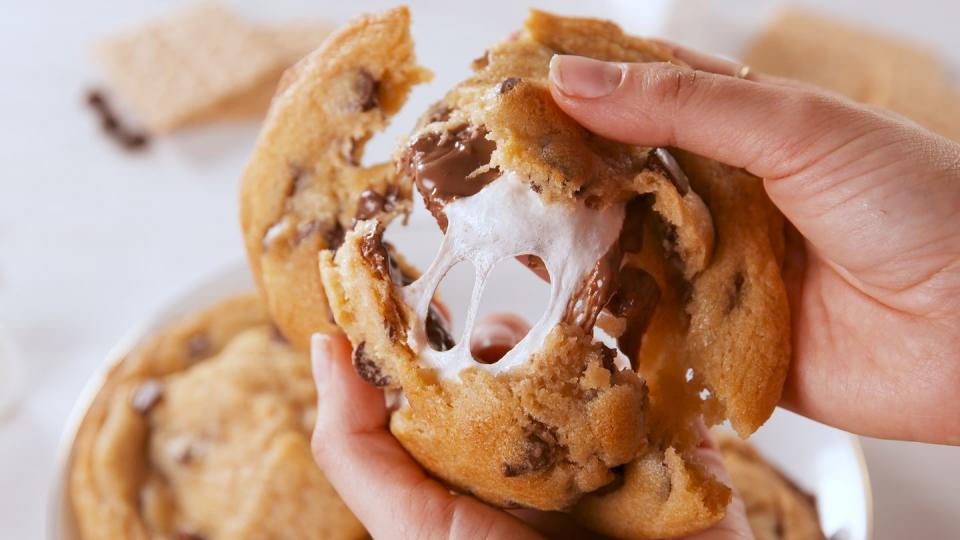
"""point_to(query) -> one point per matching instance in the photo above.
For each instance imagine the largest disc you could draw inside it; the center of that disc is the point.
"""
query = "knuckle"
(669, 85)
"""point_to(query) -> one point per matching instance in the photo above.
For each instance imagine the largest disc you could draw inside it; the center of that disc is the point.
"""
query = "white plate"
(824, 461)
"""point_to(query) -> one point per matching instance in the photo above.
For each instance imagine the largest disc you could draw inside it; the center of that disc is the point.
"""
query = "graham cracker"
(203, 63)
(863, 65)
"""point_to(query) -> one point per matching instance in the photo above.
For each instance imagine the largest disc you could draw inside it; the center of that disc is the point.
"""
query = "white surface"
(822, 460)
(93, 240)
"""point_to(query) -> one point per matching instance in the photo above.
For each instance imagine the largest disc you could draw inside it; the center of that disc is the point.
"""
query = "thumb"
(863, 186)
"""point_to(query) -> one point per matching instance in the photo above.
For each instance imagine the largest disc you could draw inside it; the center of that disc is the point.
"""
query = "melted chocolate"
(371, 203)
(444, 167)
(594, 290)
(635, 300)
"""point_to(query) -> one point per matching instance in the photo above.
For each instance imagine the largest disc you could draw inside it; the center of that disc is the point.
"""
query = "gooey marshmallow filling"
(506, 219)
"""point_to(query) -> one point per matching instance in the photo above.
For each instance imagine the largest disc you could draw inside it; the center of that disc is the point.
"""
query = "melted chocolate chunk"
(444, 167)
(635, 300)
(437, 334)
(539, 451)
(129, 138)
(198, 345)
(334, 236)
(508, 84)
(367, 367)
(371, 203)
(594, 290)
(375, 252)
(146, 395)
(367, 91)
(188, 535)
(663, 162)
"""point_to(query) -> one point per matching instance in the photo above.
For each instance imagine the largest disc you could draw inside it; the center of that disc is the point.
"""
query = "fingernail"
(577, 76)
(320, 358)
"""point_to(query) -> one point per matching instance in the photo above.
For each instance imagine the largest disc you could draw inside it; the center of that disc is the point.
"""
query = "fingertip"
(345, 402)
(580, 77)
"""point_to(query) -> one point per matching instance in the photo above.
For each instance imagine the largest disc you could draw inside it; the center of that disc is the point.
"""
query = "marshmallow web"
(502, 221)
(512, 288)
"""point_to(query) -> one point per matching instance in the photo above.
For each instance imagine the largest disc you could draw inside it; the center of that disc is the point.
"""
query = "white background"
(93, 240)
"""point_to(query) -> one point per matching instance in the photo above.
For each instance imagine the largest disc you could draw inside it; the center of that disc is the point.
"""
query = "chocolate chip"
(375, 253)
(635, 300)
(508, 84)
(134, 141)
(734, 296)
(538, 451)
(188, 535)
(367, 89)
(334, 236)
(198, 345)
(367, 367)
(371, 203)
(437, 334)
(663, 162)
(128, 138)
(146, 395)
(277, 335)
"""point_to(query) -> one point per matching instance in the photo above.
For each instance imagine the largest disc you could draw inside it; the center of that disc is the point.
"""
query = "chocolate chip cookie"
(203, 432)
(776, 507)
(666, 302)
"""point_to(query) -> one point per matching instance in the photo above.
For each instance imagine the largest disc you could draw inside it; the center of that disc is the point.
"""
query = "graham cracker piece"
(199, 63)
(863, 65)
(292, 41)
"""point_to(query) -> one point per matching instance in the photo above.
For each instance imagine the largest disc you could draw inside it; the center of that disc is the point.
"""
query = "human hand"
(394, 498)
(874, 282)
